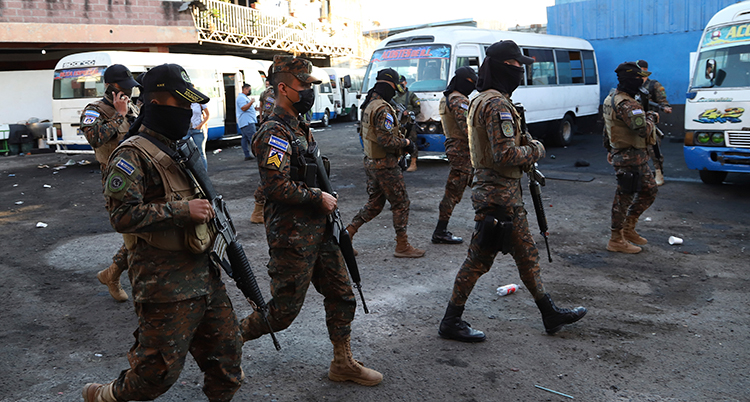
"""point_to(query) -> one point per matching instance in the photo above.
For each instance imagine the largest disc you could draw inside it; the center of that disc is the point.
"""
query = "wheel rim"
(567, 131)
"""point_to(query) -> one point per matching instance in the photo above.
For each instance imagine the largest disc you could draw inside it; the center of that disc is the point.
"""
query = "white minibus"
(559, 89)
(79, 80)
(346, 84)
(717, 134)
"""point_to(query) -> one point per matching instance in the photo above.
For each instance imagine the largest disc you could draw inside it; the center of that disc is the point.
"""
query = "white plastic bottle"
(507, 289)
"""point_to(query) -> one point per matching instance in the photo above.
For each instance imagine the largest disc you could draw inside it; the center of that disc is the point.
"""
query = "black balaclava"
(169, 121)
(384, 89)
(495, 74)
(630, 78)
(464, 82)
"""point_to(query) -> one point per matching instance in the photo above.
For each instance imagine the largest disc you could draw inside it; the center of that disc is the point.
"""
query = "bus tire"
(565, 131)
(352, 116)
(326, 118)
(712, 177)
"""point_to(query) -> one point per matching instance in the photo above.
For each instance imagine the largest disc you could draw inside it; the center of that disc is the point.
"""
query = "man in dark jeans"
(246, 119)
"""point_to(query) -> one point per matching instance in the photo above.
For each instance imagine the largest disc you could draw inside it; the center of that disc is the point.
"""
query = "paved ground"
(669, 324)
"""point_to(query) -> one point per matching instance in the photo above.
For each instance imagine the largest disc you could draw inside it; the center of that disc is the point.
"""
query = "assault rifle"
(342, 239)
(536, 181)
(406, 120)
(226, 251)
(643, 99)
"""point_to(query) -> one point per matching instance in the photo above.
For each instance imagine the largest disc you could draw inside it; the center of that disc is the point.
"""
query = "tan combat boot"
(629, 233)
(111, 278)
(659, 177)
(412, 165)
(98, 393)
(345, 368)
(257, 215)
(618, 244)
(352, 230)
(405, 250)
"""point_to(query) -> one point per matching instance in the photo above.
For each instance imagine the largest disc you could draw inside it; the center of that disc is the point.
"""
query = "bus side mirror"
(710, 69)
(347, 81)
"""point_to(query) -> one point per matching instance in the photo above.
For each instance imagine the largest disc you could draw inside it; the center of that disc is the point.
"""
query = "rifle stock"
(343, 239)
(226, 250)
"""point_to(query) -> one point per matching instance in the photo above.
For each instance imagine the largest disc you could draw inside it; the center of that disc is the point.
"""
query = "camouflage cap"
(300, 68)
(631, 68)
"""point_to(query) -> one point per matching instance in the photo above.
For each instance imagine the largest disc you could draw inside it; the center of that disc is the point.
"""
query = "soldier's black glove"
(411, 148)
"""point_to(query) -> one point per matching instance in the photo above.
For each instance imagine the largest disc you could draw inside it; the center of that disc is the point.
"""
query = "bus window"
(425, 67)
(732, 66)
(472, 62)
(325, 88)
(589, 67)
(569, 68)
(74, 83)
(542, 72)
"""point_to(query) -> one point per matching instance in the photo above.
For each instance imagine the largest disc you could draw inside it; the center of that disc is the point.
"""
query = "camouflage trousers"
(291, 271)
(479, 261)
(385, 184)
(658, 162)
(121, 258)
(632, 204)
(412, 136)
(458, 178)
(204, 326)
(260, 198)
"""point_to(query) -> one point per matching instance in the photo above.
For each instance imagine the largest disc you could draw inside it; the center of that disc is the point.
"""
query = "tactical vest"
(103, 152)
(479, 142)
(177, 187)
(619, 134)
(450, 126)
(373, 150)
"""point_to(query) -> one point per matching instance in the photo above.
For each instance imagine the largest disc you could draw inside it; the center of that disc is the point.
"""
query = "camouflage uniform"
(410, 100)
(267, 100)
(104, 128)
(457, 150)
(629, 154)
(301, 243)
(385, 181)
(658, 94)
(179, 297)
(497, 191)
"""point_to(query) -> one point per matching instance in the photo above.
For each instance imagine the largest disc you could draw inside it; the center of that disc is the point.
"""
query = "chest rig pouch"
(495, 233)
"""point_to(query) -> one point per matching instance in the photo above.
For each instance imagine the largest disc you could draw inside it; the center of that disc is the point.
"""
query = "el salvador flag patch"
(125, 167)
(506, 116)
(92, 113)
(278, 143)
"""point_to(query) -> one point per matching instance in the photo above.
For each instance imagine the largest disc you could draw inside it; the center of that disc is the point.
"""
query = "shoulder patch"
(465, 106)
(88, 120)
(506, 116)
(275, 157)
(278, 143)
(125, 166)
(116, 182)
(637, 111)
(388, 121)
(92, 113)
(507, 127)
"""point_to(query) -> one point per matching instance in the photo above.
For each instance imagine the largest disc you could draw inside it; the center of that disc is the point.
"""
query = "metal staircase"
(230, 24)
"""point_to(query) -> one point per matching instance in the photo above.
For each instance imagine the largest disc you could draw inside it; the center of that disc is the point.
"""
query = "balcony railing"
(231, 24)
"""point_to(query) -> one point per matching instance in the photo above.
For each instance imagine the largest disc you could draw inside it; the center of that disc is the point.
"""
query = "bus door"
(230, 96)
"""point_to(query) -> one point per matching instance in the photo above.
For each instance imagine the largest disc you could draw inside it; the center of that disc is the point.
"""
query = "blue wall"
(662, 32)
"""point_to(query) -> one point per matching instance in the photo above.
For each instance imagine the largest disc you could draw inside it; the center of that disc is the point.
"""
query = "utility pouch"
(495, 234)
(629, 182)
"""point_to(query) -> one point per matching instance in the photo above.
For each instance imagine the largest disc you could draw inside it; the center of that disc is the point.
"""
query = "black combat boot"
(442, 236)
(453, 327)
(554, 318)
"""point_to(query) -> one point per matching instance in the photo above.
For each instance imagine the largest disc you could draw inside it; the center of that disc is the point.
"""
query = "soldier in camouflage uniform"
(104, 123)
(180, 300)
(410, 101)
(500, 151)
(302, 247)
(384, 144)
(658, 95)
(267, 101)
(453, 109)
(628, 132)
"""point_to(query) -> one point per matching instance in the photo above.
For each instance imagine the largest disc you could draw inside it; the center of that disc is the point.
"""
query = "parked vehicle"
(558, 90)
(346, 84)
(79, 80)
(717, 140)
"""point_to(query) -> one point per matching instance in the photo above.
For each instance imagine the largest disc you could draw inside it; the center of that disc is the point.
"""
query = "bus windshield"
(732, 67)
(425, 68)
(76, 83)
